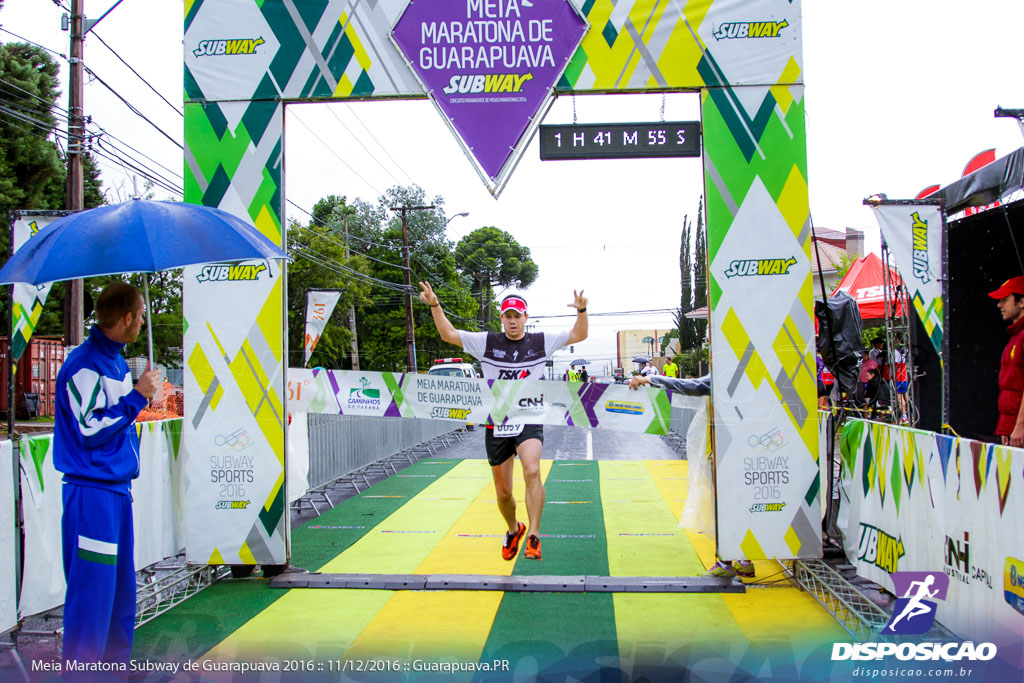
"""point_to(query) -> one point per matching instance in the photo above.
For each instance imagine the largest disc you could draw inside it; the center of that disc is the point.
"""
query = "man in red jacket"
(1010, 427)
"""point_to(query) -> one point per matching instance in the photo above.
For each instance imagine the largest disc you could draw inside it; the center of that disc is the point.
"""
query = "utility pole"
(410, 333)
(351, 308)
(73, 318)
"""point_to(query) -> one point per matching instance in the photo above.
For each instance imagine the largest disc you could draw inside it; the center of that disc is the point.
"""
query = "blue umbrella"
(137, 236)
(580, 361)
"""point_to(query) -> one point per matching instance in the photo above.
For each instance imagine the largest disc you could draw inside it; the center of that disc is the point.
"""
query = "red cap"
(1015, 285)
(514, 303)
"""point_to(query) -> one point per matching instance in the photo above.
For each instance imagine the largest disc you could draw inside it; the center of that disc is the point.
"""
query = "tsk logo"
(750, 29)
(624, 407)
(764, 266)
(767, 507)
(477, 83)
(238, 46)
(914, 613)
(232, 505)
(513, 374)
(449, 413)
(920, 231)
(1013, 583)
(880, 549)
(230, 273)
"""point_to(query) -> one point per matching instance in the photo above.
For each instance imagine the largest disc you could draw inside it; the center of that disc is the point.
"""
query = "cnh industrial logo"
(914, 614)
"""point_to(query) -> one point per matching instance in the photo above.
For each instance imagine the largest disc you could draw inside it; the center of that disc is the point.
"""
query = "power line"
(32, 42)
(133, 108)
(158, 94)
(335, 115)
(383, 149)
(331, 150)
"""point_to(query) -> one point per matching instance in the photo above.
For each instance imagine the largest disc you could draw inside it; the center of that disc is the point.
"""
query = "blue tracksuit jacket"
(94, 440)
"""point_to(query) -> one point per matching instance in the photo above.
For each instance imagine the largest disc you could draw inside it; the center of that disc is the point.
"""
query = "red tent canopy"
(864, 283)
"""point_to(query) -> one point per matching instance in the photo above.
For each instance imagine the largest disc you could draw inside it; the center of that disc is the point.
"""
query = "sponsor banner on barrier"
(320, 305)
(922, 502)
(913, 233)
(8, 604)
(157, 504)
(465, 399)
(42, 506)
(28, 299)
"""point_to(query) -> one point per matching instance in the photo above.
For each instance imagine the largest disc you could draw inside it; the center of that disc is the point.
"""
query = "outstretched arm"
(579, 331)
(444, 326)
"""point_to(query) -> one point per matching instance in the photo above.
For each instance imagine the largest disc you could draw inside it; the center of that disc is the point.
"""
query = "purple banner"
(489, 65)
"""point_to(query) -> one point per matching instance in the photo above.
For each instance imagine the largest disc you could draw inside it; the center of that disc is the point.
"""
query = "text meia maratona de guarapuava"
(494, 35)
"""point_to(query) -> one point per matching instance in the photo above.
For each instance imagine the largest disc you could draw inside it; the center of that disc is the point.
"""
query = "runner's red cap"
(1015, 285)
(515, 303)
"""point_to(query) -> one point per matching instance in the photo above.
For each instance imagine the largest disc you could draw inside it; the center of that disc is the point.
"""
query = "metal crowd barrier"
(340, 444)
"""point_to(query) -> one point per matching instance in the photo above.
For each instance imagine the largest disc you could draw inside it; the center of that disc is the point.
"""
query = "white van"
(451, 367)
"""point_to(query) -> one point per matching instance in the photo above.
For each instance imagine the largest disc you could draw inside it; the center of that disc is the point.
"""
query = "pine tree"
(687, 334)
(700, 273)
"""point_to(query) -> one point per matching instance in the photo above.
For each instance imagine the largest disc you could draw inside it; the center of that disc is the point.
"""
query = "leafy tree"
(29, 161)
(322, 263)
(431, 259)
(165, 313)
(492, 257)
(33, 171)
(376, 289)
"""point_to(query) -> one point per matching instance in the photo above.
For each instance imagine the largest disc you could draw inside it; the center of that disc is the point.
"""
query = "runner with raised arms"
(513, 354)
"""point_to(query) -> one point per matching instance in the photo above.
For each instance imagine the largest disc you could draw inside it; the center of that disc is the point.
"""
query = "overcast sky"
(899, 96)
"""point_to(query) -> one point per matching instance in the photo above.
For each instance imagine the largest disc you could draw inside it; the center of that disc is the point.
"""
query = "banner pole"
(15, 450)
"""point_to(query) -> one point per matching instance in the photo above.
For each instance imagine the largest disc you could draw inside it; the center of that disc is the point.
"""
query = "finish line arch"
(245, 60)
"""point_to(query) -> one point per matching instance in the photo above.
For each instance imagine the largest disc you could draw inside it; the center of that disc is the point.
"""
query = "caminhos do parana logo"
(228, 46)
(364, 395)
(225, 273)
(762, 266)
(749, 29)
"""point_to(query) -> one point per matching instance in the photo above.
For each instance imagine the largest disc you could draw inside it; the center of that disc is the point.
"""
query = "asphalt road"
(579, 443)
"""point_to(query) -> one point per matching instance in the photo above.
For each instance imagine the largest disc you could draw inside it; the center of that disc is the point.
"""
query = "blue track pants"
(99, 567)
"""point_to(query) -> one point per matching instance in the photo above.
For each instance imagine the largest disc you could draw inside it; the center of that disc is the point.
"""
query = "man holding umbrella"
(96, 446)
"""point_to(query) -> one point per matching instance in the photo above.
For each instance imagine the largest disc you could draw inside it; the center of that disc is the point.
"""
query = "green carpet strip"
(203, 621)
(560, 632)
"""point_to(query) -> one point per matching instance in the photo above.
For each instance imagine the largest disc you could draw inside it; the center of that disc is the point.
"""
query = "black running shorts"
(499, 450)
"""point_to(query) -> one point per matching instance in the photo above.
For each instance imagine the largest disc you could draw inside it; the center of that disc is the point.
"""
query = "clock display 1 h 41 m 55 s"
(620, 140)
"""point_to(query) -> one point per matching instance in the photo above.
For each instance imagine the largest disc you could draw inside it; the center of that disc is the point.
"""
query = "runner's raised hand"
(580, 302)
(427, 296)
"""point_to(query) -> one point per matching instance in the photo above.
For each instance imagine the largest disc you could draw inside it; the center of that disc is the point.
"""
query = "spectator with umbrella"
(95, 443)
(583, 375)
